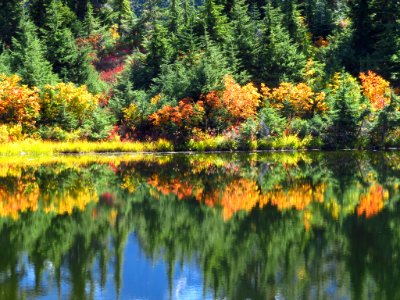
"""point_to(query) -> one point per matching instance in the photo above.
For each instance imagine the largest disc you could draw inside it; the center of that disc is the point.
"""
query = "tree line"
(247, 70)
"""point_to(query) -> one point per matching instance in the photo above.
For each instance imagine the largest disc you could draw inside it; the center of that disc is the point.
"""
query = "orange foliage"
(301, 97)
(321, 42)
(372, 202)
(241, 102)
(213, 100)
(186, 113)
(19, 104)
(376, 89)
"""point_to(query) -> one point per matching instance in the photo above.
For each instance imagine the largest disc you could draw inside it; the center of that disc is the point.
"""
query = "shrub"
(19, 104)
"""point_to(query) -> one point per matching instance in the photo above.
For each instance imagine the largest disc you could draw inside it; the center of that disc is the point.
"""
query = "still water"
(217, 226)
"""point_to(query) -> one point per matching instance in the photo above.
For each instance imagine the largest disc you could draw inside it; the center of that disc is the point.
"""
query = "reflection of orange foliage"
(376, 89)
(175, 186)
(23, 199)
(241, 194)
(298, 197)
(65, 204)
(26, 197)
(372, 202)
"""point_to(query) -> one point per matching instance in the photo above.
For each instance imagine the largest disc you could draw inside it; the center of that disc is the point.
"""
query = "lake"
(303, 225)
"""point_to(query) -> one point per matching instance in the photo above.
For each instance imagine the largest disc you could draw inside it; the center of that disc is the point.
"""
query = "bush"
(53, 134)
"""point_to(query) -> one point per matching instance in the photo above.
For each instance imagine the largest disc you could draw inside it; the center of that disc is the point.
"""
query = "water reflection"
(234, 226)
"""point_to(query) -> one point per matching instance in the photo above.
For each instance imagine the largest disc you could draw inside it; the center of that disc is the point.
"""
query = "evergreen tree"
(91, 23)
(242, 39)
(5, 62)
(278, 57)
(387, 32)
(69, 62)
(10, 14)
(28, 55)
(214, 20)
(345, 113)
(126, 17)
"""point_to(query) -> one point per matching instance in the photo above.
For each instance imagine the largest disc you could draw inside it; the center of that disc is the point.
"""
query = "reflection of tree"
(303, 225)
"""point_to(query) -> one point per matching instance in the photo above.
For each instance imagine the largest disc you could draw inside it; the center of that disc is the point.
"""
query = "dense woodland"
(239, 74)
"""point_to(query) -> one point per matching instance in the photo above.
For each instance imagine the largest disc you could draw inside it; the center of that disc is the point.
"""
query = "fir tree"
(242, 38)
(69, 62)
(278, 57)
(91, 23)
(28, 55)
(10, 14)
(345, 114)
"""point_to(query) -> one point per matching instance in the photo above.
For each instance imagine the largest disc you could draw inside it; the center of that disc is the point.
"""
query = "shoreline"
(45, 148)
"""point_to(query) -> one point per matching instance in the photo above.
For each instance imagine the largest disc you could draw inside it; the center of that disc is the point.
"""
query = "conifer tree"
(242, 38)
(91, 24)
(10, 14)
(28, 55)
(278, 57)
(345, 113)
(214, 20)
(69, 62)
(126, 16)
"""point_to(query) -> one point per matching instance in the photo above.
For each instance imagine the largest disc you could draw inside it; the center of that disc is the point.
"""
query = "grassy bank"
(34, 147)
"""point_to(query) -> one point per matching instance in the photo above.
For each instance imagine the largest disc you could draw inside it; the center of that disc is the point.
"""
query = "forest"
(202, 74)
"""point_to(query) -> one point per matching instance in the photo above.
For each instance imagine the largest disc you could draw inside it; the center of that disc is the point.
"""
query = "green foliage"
(69, 62)
(345, 115)
(271, 123)
(99, 126)
(279, 58)
(28, 56)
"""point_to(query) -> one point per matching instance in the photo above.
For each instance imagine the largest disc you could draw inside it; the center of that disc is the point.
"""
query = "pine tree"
(242, 38)
(91, 24)
(214, 20)
(69, 62)
(10, 14)
(278, 57)
(345, 113)
(126, 16)
(28, 56)
(385, 15)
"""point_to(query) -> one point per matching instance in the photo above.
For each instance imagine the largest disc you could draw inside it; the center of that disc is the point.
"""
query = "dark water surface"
(217, 226)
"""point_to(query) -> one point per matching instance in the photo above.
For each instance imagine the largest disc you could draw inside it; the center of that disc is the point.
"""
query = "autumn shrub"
(179, 121)
(376, 89)
(295, 99)
(4, 137)
(66, 106)
(19, 104)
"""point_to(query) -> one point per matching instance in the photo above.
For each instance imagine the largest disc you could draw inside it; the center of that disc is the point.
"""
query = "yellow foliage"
(76, 100)
(300, 97)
